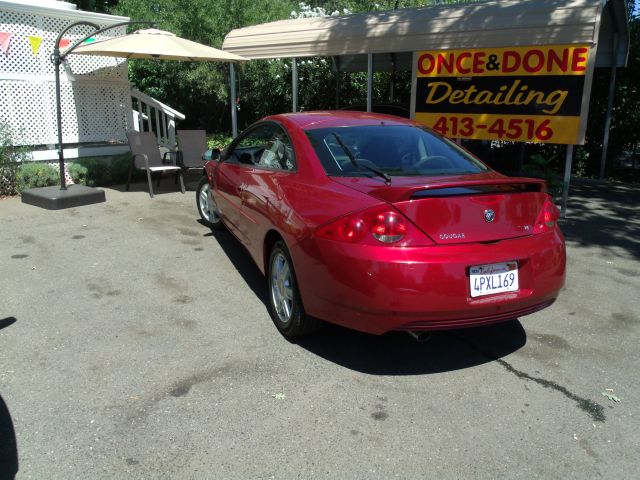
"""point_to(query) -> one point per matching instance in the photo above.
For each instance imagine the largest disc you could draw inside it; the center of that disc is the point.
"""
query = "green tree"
(198, 89)
(624, 134)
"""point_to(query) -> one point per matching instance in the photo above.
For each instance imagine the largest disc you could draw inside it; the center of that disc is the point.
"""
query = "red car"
(377, 223)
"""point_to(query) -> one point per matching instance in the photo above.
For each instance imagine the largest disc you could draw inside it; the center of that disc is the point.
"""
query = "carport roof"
(473, 25)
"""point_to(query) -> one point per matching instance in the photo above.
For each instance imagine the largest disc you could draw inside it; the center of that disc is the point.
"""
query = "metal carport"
(390, 37)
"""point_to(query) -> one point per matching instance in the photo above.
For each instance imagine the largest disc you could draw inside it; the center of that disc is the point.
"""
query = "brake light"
(380, 225)
(547, 218)
(352, 230)
(388, 227)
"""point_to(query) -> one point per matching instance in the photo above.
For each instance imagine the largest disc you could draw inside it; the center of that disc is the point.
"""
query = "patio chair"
(146, 156)
(192, 144)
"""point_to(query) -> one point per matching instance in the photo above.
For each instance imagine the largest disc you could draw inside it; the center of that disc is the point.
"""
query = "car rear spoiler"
(479, 187)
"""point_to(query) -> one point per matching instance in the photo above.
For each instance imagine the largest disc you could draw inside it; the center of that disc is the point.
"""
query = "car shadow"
(394, 353)
(242, 262)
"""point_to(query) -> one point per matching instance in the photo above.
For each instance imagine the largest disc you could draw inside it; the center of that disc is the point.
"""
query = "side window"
(266, 146)
(248, 148)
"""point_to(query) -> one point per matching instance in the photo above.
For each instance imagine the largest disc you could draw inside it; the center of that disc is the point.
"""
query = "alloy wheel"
(281, 288)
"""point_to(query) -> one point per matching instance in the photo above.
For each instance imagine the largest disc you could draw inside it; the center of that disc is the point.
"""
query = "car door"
(264, 203)
(233, 174)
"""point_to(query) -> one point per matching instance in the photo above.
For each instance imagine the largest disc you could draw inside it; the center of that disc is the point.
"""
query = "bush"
(218, 140)
(98, 171)
(120, 169)
(10, 159)
(542, 167)
(78, 173)
(31, 175)
(102, 171)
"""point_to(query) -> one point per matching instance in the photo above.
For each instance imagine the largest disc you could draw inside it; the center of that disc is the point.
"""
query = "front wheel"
(285, 306)
(206, 206)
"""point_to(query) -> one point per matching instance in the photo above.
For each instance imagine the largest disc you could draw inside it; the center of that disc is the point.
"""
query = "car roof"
(337, 118)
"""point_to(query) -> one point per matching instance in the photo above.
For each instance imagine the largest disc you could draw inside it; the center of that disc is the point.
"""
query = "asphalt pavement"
(134, 343)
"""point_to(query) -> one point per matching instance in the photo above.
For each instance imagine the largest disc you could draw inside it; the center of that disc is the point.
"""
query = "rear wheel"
(206, 205)
(285, 305)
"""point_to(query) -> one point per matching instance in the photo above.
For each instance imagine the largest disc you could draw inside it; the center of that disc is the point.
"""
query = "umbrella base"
(54, 198)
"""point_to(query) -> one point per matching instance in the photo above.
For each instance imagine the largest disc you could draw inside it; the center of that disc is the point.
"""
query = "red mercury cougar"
(378, 223)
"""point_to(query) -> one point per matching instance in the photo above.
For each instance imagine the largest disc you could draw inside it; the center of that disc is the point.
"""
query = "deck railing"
(150, 115)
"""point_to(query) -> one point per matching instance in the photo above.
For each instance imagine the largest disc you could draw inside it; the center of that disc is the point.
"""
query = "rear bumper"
(378, 289)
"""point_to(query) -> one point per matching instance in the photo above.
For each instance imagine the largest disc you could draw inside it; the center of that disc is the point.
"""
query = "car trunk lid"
(472, 208)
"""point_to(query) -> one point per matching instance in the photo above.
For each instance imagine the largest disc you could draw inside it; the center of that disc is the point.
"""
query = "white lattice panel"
(91, 112)
(20, 59)
(95, 106)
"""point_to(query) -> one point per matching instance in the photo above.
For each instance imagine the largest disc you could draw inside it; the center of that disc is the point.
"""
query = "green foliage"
(101, 6)
(32, 175)
(11, 157)
(624, 134)
(218, 140)
(198, 89)
(357, 6)
(201, 90)
(101, 171)
(93, 171)
(541, 167)
(120, 169)
(78, 173)
(580, 161)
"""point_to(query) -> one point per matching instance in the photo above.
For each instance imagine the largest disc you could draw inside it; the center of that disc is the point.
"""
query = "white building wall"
(96, 99)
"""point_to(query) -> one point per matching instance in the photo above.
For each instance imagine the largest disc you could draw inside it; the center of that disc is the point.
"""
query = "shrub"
(218, 140)
(78, 173)
(10, 159)
(120, 169)
(102, 171)
(31, 175)
(98, 171)
(542, 167)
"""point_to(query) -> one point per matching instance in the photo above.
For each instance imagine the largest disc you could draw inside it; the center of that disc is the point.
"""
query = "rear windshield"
(397, 150)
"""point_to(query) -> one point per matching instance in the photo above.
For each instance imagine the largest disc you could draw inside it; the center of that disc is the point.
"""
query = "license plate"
(494, 278)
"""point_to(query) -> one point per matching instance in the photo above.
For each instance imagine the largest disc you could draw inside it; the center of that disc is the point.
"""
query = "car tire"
(209, 214)
(284, 303)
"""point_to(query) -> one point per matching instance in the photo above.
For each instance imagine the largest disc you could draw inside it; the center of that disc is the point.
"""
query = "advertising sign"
(524, 94)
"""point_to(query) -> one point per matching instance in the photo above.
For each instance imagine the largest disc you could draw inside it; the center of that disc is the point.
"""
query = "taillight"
(380, 225)
(547, 218)
(389, 227)
(352, 230)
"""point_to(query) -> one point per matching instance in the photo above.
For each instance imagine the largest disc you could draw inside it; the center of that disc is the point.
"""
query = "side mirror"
(211, 154)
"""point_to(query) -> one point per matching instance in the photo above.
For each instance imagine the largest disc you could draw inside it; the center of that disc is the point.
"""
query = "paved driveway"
(134, 343)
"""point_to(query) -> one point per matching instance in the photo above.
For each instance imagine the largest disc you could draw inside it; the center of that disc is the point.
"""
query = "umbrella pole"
(63, 180)
(57, 58)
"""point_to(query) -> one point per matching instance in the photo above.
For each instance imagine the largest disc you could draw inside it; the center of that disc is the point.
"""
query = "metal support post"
(567, 179)
(369, 82)
(234, 111)
(607, 122)
(294, 85)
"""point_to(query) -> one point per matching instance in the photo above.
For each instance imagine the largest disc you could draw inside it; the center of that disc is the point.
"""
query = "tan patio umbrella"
(156, 44)
(151, 44)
